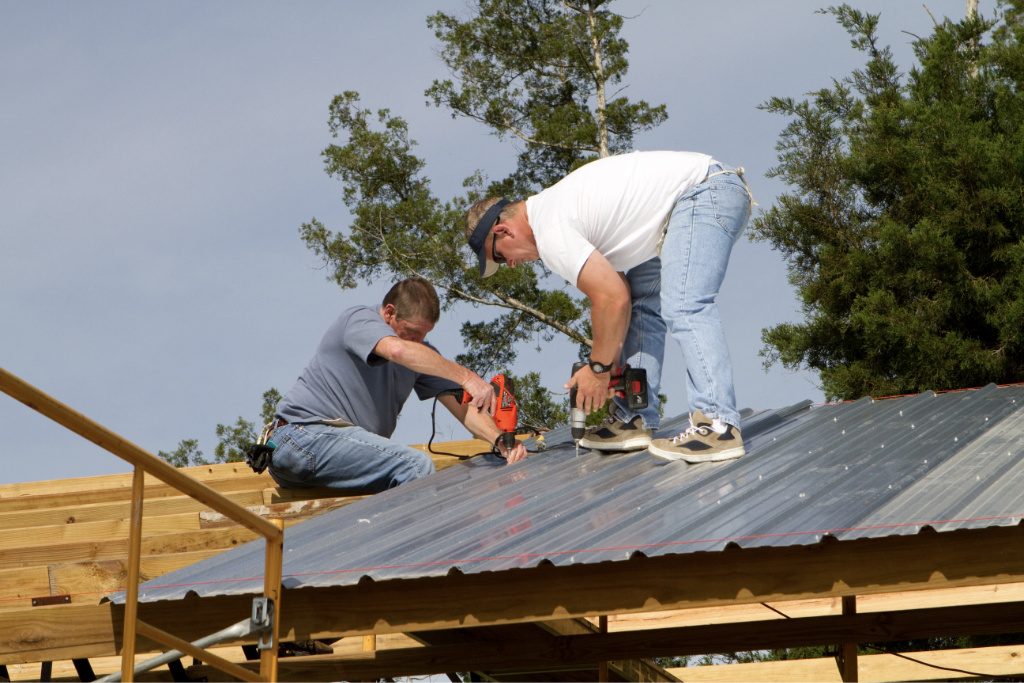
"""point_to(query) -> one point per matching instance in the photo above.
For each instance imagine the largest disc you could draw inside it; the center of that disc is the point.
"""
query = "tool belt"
(260, 454)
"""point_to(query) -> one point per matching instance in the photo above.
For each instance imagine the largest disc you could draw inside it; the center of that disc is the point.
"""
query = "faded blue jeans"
(343, 458)
(678, 294)
(645, 339)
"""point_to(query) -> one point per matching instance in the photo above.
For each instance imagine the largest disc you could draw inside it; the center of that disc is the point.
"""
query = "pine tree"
(534, 72)
(903, 228)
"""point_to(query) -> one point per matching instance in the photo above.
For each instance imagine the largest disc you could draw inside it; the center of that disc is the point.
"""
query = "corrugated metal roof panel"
(854, 470)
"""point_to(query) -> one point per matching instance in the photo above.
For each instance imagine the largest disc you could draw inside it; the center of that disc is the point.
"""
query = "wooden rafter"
(963, 558)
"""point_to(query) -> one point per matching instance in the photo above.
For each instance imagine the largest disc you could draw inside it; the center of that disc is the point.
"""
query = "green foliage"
(187, 453)
(233, 440)
(530, 69)
(538, 71)
(536, 406)
(904, 226)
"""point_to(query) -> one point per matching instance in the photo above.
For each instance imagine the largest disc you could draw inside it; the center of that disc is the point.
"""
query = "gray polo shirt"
(346, 380)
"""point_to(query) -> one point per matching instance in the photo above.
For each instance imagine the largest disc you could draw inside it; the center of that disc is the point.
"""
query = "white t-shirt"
(617, 205)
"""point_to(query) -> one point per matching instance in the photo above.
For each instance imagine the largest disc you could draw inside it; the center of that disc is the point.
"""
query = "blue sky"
(157, 159)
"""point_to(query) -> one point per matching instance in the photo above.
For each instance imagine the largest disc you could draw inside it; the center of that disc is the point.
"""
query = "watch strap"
(597, 367)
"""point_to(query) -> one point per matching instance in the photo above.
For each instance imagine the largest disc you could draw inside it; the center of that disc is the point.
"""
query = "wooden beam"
(114, 549)
(992, 662)
(552, 654)
(31, 537)
(84, 582)
(297, 509)
(627, 670)
(20, 585)
(964, 558)
(91, 631)
(90, 581)
(112, 495)
(818, 607)
(208, 474)
(99, 512)
(847, 658)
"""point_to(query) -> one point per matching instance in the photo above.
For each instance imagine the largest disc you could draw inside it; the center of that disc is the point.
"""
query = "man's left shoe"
(616, 435)
(705, 440)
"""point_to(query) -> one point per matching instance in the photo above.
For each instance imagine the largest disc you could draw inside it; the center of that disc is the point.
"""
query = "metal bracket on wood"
(51, 600)
(263, 620)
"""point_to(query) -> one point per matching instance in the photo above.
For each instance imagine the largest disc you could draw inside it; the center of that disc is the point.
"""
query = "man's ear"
(388, 311)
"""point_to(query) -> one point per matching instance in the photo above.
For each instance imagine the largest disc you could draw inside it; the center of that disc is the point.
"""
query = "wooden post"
(144, 462)
(370, 643)
(131, 600)
(602, 666)
(272, 590)
(66, 416)
(848, 651)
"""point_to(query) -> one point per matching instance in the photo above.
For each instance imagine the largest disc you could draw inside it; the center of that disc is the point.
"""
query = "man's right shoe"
(705, 440)
(616, 435)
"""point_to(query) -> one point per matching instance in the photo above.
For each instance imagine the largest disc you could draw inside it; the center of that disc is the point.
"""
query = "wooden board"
(293, 510)
(883, 602)
(203, 473)
(991, 662)
(19, 586)
(113, 495)
(98, 512)
(115, 549)
(32, 537)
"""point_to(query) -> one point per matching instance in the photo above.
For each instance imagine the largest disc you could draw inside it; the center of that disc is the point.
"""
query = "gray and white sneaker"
(705, 440)
(616, 435)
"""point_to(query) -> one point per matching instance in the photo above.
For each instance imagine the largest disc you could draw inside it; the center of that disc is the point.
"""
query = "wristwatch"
(598, 368)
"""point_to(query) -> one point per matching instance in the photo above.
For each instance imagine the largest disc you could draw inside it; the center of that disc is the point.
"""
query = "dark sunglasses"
(495, 256)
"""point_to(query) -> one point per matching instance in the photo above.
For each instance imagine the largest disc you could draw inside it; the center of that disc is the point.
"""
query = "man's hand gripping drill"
(629, 383)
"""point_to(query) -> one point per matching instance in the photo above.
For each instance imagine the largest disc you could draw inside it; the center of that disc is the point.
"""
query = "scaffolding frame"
(147, 463)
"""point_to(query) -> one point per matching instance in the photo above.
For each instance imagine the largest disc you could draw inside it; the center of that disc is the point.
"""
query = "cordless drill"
(630, 383)
(577, 418)
(506, 412)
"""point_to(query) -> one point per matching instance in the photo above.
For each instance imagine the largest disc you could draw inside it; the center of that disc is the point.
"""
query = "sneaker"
(616, 435)
(705, 440)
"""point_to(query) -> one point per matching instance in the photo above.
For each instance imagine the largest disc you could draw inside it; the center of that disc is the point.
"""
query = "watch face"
(599, 367)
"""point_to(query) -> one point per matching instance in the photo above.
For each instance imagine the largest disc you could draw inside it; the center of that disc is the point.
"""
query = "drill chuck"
(577, 418)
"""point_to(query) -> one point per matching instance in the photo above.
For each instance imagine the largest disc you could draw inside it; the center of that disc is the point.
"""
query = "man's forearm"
(423, 359)
(609, 322)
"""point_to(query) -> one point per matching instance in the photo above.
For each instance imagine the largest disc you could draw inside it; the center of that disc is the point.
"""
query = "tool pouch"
(258, 456)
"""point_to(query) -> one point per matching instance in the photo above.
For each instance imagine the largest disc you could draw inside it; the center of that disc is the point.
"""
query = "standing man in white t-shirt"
(603, 228)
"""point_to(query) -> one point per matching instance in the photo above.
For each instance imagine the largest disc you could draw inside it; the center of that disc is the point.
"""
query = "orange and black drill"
(630, 384)
(506, 412)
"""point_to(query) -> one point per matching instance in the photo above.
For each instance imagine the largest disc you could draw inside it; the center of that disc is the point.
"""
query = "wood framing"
(963, 558)
(991, 662)
(577, 621)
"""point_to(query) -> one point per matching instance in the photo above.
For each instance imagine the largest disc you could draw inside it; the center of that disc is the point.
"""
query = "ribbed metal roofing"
(868, 468)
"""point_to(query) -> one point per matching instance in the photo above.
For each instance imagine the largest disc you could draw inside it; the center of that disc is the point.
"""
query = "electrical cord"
(912, 659)
(463, 456)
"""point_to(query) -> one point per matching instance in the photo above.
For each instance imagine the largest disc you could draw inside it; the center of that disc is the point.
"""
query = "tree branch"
(599, 83)
(503, 301)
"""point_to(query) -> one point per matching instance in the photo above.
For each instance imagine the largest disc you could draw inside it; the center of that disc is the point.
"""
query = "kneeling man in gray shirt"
(334, 424)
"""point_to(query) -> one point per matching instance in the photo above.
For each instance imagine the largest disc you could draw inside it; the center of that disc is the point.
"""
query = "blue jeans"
(704, 225)
(343, 458)
(645, 340)
(677, 293)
